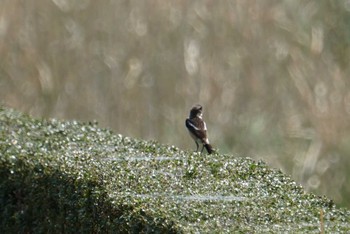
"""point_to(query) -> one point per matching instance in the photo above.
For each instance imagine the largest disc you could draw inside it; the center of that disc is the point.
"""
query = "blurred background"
(273, 76)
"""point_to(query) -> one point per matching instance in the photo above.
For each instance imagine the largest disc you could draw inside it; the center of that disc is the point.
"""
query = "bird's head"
(196, 111)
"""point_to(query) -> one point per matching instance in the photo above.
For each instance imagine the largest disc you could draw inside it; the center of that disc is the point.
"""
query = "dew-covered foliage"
(65, 177)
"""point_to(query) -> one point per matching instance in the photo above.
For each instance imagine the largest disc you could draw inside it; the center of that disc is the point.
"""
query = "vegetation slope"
(68, 177)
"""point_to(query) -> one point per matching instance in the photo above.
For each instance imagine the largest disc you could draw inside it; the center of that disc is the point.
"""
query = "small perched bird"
(198, 129)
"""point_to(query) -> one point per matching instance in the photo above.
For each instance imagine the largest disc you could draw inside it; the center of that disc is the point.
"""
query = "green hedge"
(71, 177)
(35, 202)
(44, 190)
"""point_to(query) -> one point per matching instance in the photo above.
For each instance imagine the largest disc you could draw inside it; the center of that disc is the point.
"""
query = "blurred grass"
(271, 75)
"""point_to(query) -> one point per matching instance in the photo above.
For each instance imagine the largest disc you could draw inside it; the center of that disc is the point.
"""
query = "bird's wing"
(198, 128)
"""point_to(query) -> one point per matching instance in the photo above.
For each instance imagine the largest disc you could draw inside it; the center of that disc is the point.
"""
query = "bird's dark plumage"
(198, 129)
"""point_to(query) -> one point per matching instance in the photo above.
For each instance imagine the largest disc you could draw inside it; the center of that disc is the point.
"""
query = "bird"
(198, 129)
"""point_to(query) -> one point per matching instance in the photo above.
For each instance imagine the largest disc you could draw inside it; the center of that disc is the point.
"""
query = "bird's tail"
(209, 148)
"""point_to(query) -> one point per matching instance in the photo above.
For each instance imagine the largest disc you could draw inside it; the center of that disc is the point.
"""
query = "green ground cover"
(69, 177)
